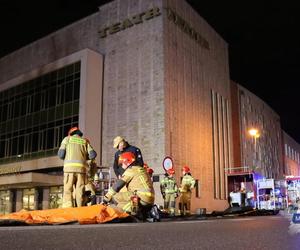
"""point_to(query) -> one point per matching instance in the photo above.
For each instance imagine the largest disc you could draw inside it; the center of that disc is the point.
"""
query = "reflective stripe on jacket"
(187, 183)
(76, 152)
(168, 185)
(135, 178)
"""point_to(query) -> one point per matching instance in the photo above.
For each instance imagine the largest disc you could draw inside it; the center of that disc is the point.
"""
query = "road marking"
(193, 221)
(75, 226)
(239, 219)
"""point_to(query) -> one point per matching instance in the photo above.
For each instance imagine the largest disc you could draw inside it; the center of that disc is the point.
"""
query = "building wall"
(197, 92)
(291, 155)
(267, 157)
(236, 136)
(133, 93)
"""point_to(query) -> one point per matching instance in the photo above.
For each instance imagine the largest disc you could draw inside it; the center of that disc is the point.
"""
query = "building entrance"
(28, 199)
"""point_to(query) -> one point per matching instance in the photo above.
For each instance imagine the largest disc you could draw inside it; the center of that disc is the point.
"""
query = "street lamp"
(255, 134)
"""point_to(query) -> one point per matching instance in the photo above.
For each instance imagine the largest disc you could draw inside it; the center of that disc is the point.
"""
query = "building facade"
(152, 71)
(257, 137)
(291, 155)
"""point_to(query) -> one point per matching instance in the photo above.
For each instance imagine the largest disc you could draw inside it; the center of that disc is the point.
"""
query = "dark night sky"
(263, 38)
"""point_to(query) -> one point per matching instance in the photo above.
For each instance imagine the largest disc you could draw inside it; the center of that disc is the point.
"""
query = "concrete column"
(46, 192)
(19, 202)
(36, 199)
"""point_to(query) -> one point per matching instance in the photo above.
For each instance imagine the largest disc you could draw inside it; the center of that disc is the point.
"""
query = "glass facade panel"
(4, 202)
(28, 199)
(32, 113)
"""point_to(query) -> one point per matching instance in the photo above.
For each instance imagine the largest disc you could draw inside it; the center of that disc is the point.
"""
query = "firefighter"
(75, 151)
(123, 146)
(169, 191)
(186, 186)
(138, 184)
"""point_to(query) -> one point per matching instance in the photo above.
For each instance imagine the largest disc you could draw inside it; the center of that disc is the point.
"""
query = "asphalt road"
(264, 232)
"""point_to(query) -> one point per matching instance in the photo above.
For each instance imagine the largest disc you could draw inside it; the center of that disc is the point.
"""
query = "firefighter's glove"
(108, 196)
(106, 199)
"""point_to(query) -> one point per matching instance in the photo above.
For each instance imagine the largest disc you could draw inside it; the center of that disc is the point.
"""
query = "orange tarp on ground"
(83, 215)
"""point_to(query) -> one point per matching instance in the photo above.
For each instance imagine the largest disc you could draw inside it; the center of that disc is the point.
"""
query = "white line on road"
(193, 221)
(239, 219)
(75, 226)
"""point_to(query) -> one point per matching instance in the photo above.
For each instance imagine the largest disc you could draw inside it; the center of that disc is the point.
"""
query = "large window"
(4, 202)
(36, 115)
(28, 199)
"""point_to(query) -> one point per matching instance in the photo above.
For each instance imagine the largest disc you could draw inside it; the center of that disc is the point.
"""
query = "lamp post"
(255, 134)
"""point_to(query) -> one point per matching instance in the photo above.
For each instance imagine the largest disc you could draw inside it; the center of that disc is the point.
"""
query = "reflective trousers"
(169, 203)
(185, 203)
(73, 182)
(123, 200)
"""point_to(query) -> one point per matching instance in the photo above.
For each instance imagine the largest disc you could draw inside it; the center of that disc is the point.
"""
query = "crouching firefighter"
(138, 200)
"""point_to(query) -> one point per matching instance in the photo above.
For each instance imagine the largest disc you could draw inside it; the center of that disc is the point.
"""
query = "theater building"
(152, 71)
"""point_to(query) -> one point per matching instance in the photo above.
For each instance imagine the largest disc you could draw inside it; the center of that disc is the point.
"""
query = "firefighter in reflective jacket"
(75, 151)
(169, 191)
(187, 184)
(137, 181)
(123, 146)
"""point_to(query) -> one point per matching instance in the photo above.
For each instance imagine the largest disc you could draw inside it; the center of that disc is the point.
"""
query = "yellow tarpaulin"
(83, 215)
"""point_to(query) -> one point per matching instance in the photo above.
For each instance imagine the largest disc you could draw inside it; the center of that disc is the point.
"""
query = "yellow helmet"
(117, 141)
(96, 177)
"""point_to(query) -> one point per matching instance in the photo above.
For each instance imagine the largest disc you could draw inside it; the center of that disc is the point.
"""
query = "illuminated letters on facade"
(129, 22)
(186, 27)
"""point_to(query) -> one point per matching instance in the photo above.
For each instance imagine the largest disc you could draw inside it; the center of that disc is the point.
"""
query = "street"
(263, 232)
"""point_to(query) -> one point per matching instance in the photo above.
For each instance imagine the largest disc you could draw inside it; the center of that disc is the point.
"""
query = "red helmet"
(150, 170)
(126, 158)
(171, 171)
(186, 169)
(73, 130)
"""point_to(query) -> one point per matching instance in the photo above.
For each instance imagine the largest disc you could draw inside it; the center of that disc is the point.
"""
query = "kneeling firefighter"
(140, 190)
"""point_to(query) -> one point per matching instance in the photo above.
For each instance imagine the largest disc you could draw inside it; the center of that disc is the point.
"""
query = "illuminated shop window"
(36, 115)
(4, 202)
(28, 199)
